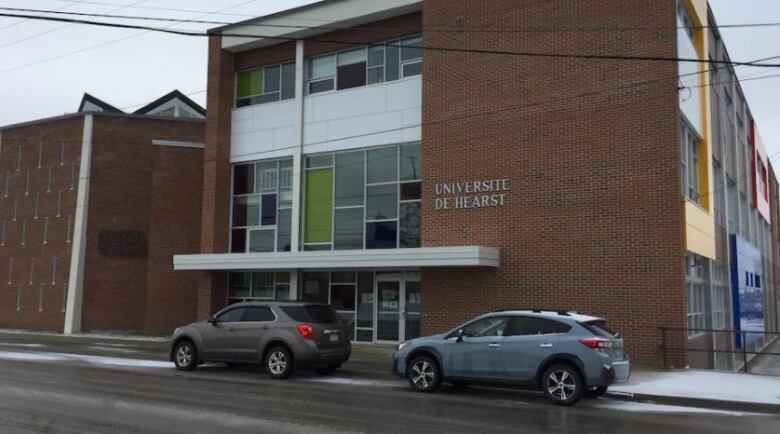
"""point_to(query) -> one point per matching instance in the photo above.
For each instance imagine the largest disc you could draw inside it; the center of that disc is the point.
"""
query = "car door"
(249, 331)
(218, 337)
(478, 354)
(528, 342)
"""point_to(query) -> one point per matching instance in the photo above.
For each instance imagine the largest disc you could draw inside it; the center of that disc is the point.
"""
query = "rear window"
(599, 328)
(320, 314)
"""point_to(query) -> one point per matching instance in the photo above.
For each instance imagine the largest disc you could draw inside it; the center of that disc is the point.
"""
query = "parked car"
(566, 355)
(281, 336)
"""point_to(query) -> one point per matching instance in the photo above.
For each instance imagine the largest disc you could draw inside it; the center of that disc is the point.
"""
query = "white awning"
(426, 257)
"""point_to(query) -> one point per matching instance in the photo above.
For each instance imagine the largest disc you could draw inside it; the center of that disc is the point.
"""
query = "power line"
(16, 23)
(433, 28)
(421, 47)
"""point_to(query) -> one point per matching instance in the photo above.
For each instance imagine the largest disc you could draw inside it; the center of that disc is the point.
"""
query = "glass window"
(322, 67)
(410, 225)
(283, 230)
(410, 162)
(382, 202)
(411, 49)
(412, 69)
(492, 326)
(411, 191)
(376, 64)
(288, 81)
(232, 315)
(349, 179)
(263, 285)
(382, 235)
(249, 83)
(266, 178)
(240, 285)
(312, 314)
(285, 183)
(269, 210)
(393, 62)
(350, 76)
(342, 277)
(318, 215)
(342, 297)
(349, 229)
(243, 179)
(262, 241)
(382, 165)
(317, 161)
(315, 287)
(350, 57)
(273, 77)
(258, 314)
(321, 85)
(246, 211)
(365, 300)
(238, 241)
(525, 326)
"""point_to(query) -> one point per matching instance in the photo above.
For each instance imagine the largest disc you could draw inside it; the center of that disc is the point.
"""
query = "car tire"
(562, 385)
(185, 355)
(278, 363)
(594, 392)
(326, 370)
(424, 374)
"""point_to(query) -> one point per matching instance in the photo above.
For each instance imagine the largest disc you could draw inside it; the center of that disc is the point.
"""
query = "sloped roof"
(87, 98)
(169, 97)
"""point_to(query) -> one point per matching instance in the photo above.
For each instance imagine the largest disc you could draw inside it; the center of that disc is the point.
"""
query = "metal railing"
(736, 350)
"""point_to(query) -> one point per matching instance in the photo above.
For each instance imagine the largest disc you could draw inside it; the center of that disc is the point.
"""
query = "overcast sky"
(46, 67)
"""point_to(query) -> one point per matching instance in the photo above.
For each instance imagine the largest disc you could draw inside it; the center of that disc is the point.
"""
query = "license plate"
(334, 337)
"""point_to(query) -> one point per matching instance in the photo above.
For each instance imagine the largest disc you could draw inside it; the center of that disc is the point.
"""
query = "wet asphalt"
(79, 385)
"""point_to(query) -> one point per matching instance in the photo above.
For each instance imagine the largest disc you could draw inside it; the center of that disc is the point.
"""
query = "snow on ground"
(704, 385)
(114, 336)
(92, 360)
(641, 407)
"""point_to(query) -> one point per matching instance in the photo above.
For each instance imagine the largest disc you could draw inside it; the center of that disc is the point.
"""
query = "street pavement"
(80, 385)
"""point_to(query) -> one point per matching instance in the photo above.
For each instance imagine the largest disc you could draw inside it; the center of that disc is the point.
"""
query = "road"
(54, 385)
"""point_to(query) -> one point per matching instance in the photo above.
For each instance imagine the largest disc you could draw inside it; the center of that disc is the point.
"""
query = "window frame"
(248, 308)
(690, 159)
(696, 296)
(397, 42)
(535, 318)
(279, 286)
(249, 98)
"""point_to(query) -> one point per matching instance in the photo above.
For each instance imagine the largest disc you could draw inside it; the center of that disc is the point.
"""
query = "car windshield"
(313, 313)
(599, 328)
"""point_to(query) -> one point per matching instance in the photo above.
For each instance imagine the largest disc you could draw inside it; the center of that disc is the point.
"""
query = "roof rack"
(538, 310)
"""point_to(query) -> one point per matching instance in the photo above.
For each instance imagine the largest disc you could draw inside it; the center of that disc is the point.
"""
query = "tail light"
(307, 331)
(596, 344)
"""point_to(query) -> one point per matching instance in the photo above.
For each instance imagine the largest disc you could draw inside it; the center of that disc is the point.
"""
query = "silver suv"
(566, 355)
(281, 336)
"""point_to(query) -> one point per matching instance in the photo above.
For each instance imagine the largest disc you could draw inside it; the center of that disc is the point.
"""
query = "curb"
(717, 404)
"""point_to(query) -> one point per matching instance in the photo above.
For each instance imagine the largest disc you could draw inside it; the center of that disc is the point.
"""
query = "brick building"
(94, 206)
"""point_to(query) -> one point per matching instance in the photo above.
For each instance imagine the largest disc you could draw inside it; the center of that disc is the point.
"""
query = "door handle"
(546, 345)
(494, 345)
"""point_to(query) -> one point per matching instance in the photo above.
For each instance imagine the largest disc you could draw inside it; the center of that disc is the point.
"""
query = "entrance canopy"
(465, 256)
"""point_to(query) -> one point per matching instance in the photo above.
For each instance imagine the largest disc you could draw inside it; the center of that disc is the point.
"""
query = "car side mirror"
(213, 321)
(460, 336)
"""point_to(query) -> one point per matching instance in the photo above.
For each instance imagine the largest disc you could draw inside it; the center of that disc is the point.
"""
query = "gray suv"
(566, 355)
(281, 336)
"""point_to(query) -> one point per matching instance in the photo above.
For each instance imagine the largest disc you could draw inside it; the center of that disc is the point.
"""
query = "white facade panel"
(263, 131)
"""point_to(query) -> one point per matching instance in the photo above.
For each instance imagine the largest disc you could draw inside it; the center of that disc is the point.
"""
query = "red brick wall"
(41, 303)
(593, 221)
(143, 208)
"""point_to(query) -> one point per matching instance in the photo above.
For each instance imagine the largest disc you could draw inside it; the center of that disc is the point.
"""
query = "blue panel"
(746, 294)
(269, 210)
(382, 235)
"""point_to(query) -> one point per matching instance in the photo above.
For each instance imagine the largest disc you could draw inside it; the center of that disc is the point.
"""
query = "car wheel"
(424, 374)
(562, 384)
(278, 363)
(326, 370)
(185, 356)
(595, 392)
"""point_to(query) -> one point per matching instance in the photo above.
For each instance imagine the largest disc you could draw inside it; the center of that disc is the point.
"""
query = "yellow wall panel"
(699, 231)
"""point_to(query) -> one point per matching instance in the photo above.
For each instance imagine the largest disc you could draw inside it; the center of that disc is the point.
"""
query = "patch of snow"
(4, 344)
(112, 336)
(352, 381)
(92, 360)
(641, 407)
(705, 385)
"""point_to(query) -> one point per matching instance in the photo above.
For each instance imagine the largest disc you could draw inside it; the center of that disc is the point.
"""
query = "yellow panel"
(699, 231)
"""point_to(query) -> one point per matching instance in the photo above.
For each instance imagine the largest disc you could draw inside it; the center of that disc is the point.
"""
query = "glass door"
(398, 307)
(388, 310)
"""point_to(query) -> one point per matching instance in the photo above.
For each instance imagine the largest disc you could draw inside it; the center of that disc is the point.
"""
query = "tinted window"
(525, 326)
(312, 313)
(258, 314)
(599, 328)
(493, 326)
(233, 315)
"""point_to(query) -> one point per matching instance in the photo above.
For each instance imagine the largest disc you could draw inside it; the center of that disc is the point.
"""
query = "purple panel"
(382, 235)
(269, 210)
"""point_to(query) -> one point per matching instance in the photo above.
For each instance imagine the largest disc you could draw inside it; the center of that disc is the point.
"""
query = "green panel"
(318, 219)
(249, 83)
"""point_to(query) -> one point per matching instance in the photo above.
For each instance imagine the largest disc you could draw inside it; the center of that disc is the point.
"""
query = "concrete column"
(296, 238)
(76, 276)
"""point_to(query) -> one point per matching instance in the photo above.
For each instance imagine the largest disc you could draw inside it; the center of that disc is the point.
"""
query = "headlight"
(401, 346)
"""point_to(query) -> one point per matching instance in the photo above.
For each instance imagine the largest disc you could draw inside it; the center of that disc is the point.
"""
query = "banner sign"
(747, 290)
